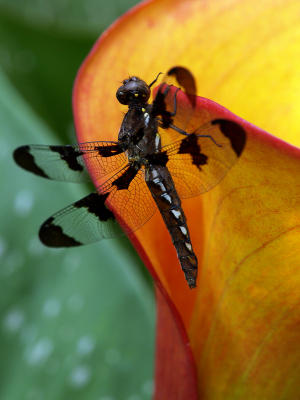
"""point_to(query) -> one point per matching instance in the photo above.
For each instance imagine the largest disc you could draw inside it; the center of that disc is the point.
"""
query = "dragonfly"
(141, 172)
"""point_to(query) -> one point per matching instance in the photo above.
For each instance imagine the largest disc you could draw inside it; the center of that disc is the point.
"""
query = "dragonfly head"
(133, 91)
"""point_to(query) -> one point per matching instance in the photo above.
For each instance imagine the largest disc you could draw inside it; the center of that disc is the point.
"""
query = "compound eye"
(122, 96)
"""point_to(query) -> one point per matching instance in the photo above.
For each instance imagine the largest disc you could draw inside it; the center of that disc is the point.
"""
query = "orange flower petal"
(249, 270)
(242, 320)
(245, 58)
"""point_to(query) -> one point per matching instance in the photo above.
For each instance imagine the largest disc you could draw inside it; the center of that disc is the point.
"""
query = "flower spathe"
(236, 335)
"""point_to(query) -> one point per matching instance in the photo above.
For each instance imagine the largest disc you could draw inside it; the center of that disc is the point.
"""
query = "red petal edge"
(175, 368)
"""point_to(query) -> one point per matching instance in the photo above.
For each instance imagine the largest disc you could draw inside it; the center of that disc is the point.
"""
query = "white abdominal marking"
(176, 213)
(167, 197)
(188, 246)
(183, 230)
(161, 186)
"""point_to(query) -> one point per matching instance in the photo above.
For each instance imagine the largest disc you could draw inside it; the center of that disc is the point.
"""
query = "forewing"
(67, 163)
(200, 160)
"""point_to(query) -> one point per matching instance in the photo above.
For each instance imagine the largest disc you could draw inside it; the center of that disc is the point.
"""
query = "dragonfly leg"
(182, 132)
(175, 104)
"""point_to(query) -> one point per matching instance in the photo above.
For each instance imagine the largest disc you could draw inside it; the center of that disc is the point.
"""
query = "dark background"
(76, 323)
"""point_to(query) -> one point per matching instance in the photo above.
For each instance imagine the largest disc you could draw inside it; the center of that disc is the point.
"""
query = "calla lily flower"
(236, 336)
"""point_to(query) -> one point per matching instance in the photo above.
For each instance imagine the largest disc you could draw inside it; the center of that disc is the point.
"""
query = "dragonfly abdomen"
(162, 188)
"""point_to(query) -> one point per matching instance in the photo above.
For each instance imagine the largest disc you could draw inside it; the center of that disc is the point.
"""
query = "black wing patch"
(109, 150)
(51, 234)
(25, 159)
(70, 155)
(234, 132)
(190, 145)
(67, 163)
(124, 180)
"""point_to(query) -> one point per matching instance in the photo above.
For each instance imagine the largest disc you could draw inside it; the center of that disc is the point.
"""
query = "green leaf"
(43, 44)
(76, 323)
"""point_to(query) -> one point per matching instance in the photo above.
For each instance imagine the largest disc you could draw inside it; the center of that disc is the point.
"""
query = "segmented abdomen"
(162, 188)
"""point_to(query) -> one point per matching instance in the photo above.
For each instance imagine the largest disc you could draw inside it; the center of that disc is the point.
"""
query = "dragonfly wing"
(125, 195)
(68, 163)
